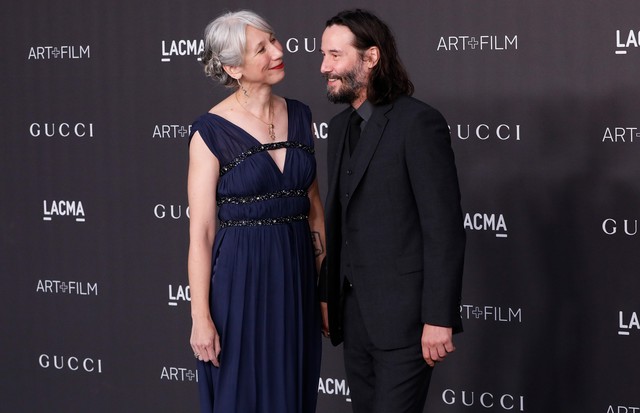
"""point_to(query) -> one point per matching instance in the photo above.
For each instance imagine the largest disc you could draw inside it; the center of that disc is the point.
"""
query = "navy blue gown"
(263, 279)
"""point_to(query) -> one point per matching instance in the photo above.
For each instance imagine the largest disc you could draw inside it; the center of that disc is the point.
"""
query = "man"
(395, 236)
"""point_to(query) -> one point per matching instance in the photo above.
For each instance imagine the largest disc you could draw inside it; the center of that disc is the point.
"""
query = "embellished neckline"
(253, 138)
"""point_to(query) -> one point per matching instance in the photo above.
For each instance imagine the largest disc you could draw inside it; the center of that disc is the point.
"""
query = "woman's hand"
(205, 341)
(325, 319)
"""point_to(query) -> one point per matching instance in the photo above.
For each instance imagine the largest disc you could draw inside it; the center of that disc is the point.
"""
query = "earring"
(246, 94)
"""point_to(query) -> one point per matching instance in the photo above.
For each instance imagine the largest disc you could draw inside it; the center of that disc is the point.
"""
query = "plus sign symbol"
(190, 375)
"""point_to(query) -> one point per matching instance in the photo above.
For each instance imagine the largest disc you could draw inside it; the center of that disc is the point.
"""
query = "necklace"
(272, 132)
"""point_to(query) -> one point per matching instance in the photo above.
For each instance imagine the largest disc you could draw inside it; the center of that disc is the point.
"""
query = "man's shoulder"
(412, 105)
(407, 109)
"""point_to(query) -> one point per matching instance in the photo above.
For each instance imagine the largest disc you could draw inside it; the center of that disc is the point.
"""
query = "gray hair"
(225, 42)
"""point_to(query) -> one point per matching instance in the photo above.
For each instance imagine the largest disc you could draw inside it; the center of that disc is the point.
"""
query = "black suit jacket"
(404, 224)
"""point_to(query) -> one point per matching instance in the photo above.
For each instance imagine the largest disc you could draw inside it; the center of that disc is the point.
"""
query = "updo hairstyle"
(225, 42)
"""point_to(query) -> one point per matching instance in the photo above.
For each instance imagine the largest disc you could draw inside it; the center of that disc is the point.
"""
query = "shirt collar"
(365, 110)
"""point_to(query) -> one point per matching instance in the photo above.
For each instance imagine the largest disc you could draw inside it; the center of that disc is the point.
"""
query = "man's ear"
(372, 57)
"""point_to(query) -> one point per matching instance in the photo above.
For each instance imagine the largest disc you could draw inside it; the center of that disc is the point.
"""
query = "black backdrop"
(542, 100)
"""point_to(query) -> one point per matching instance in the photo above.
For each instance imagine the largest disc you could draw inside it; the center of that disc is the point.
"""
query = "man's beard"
(351, 86)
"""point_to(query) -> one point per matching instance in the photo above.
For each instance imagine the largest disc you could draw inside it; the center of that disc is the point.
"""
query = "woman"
(256, 322)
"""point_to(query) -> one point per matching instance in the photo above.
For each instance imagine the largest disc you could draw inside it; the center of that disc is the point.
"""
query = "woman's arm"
(201, 187)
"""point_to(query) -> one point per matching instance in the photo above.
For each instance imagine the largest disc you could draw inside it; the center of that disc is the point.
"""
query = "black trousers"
(381, 381)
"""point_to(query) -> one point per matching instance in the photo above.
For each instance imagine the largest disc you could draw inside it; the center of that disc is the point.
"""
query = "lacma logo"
(626, 40)
(63, 209)
(627, 323)
(175, 48)
(486, 222)
(320, 130)
(177, 294)
(336, 387)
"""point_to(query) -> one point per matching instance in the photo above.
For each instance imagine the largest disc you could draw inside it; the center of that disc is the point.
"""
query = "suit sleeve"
(434, 182)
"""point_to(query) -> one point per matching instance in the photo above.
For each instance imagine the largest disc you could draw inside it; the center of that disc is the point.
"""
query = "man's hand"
(437, 342)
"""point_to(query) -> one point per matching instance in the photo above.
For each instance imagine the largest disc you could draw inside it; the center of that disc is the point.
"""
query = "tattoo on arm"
(317, 243)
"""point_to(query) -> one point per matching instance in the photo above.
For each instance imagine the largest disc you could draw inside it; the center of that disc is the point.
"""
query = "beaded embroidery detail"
(241, 200)
(261, 148)
(263, 222)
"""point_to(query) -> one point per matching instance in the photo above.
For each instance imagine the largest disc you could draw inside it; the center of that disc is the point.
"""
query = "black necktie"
(354, 130)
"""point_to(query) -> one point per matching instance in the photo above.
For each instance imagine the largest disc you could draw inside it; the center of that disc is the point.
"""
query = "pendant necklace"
(272, 132)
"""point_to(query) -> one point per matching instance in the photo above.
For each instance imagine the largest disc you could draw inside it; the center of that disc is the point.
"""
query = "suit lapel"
(368, 143)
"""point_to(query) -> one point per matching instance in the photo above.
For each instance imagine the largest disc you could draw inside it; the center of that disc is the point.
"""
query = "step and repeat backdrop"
(542, 100)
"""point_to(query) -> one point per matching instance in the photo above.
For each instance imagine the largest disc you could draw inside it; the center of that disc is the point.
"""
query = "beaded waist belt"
(263, 221)
(243, 200)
